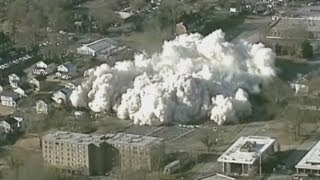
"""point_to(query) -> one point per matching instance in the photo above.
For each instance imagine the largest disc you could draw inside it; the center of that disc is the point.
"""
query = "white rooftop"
(235, 155)
(216, 176)
(102, 44)
(311, 160)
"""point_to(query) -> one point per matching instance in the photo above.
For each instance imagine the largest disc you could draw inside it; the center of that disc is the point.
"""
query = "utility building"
(245, 157)
(310, 163)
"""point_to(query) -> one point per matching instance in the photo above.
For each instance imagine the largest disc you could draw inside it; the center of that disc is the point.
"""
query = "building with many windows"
(78, 153)
(138, 152)
(97, 154)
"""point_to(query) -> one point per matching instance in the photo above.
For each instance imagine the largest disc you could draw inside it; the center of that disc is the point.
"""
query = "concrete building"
(245, 157)
(138, 152)
(310, 163)
(78, 153)
(97, 154)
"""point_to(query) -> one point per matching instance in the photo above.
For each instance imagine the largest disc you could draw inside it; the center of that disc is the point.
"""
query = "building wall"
(75, 158)
(69, 157)
(140, 157)
(42, 107)
(9, 103)
(247, 169)
(102, 158)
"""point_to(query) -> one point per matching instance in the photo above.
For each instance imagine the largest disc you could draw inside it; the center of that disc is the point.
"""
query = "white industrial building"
(101, 46)
(246, 155)
(310, 163)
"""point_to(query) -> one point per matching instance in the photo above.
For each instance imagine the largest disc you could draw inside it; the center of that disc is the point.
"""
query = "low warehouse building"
(246, 155)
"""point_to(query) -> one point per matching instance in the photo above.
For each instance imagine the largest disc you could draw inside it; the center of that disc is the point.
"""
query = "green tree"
(208, 140)
(102, 11)
(307, 49)
(137, 4)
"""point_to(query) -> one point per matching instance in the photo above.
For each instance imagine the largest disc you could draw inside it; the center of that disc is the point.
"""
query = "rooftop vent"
(248, 146)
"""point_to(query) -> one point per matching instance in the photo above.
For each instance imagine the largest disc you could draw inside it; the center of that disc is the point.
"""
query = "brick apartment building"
(138, 152)
(78, 153)
(97, 154)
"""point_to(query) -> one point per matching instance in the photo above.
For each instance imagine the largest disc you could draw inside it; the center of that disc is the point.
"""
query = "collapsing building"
(246, 155)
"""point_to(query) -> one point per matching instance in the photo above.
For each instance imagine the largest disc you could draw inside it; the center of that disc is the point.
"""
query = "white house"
(20, 91)
(10, 125)
(66, 71)
(23, 90)
(61, 96)
(14, 80)
(9, 98)
(41, 68)
(73, 84)
(43, 106)
(36, 82)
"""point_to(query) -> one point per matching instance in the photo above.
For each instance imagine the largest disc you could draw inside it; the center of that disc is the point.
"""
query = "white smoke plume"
(192, 79)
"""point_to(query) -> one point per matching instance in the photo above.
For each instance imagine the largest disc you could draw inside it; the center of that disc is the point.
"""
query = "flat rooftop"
(115, 139)
(287, 23)
(102, 44)
(216, 176)
(236, 153)
(311, 160)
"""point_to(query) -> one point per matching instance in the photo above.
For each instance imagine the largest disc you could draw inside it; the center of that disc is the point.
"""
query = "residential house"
(23, 90)
(14, 80)
(41, 68)
(9, 98)
(10, 126)
(181, 29)
(37, 82)
(61, 96)
(22, 120)
(66, 71)
(73, 84)
(43, 106)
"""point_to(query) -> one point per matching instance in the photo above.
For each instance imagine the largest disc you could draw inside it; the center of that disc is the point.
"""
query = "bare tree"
(207, 141)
